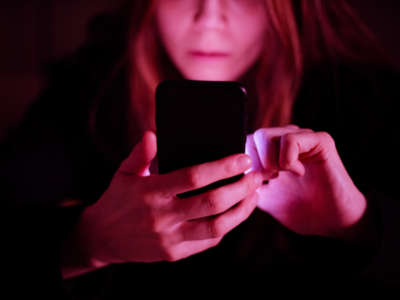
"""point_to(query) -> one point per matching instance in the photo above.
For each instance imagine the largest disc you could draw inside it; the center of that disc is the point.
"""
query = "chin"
(210, 75)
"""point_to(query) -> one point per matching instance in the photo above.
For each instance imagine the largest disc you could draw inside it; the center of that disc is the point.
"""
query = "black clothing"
(51, 156)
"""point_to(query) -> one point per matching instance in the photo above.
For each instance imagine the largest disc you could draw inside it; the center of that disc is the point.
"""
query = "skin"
(234, 28)
(310, 191)
(140, 219)
(139, 209)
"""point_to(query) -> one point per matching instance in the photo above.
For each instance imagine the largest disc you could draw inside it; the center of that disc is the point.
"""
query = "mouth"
(208, 54)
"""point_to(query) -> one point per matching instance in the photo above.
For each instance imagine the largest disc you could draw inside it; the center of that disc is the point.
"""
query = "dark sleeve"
(37, 158)
(50, 157)
(374, 162)
(42, 161)
(358, 111)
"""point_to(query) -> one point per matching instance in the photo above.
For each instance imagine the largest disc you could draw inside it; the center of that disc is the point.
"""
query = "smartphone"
(198, 122)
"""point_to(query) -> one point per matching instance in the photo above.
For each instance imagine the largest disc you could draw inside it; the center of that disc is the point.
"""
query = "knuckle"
(326, 137)
(229, 167)
(167, 248)
(155, 225)
(193, 177)
(213, 202)
(289, 137)
(216, 228)
(292, 126)
(148, 200)
(253, 199)
(170, 255)
(256, 182)
(250, 184)
(323, 134)
(248, 203)
(151, 198)
(168, 243)
(163, 197)
(246, 209)
(261, 133)
(216, 242)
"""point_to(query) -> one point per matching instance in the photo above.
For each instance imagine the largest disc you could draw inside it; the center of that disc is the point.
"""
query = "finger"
(277, 131)
(214, 227)
(219, 200)
(251, 150)
(198, 176)
(268, 143)
(292, 126)
(138, 161)
(301, 146)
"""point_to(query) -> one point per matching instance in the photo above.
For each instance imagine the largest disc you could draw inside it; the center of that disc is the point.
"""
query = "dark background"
(33, 32)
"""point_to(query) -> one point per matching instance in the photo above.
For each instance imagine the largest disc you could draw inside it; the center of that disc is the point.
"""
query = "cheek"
(249, 42)
(171, 33)
(251, 35)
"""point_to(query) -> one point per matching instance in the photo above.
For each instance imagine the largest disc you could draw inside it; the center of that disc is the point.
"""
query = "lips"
(208, 54)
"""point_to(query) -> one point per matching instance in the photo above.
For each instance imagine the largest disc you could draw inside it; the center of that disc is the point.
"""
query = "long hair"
(301, 34)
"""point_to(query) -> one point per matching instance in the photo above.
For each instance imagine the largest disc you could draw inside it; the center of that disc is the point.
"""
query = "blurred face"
(212, 39)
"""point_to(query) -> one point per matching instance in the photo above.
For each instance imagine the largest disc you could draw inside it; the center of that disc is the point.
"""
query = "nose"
(211, 14)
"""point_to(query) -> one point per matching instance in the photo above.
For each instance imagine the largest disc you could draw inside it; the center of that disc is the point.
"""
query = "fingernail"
(243, 161)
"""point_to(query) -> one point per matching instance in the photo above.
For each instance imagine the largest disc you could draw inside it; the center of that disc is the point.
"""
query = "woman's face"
(212, 39)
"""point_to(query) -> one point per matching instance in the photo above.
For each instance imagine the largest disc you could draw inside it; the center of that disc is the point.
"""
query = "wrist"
(351, 216)
(363, 228)
(78, 255)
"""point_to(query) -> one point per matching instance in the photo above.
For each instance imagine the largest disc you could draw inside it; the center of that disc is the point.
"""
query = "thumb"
(138, 161)
(251, 150)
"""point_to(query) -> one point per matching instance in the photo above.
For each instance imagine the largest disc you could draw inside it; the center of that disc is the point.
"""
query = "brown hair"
(303, 33)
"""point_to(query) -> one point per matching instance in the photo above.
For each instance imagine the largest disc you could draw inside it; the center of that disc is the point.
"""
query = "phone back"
(199, 121)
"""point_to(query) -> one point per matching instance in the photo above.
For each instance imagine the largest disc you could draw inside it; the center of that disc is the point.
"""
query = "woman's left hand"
(309, 190)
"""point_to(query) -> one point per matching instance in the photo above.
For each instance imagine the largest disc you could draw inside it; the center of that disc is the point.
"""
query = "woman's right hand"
(139, 218)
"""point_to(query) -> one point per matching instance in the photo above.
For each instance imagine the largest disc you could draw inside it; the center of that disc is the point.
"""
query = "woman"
(299, 212)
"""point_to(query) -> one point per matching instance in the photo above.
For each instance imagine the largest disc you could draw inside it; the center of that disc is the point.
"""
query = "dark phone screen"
(199, 121)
